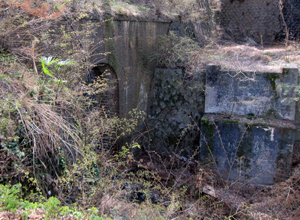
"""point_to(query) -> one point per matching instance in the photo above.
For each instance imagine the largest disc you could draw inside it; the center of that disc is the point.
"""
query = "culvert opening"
(106, 98)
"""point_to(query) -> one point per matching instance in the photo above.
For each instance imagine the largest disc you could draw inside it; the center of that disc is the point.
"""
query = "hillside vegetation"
(61, 159)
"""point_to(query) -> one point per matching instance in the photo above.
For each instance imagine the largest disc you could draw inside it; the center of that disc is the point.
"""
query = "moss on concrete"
(111, 56)
(272, 77)
(208, 127)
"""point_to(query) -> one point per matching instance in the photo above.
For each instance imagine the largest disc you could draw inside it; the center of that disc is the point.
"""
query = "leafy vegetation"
(11, 201)
(47, 153)
(51, 141)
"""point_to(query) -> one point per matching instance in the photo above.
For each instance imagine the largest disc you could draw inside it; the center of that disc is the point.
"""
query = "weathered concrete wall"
(128, 45)
(250, 135)
(297, 121)
(257, 19)
(247, 150)
(248, 127)
(260, 94)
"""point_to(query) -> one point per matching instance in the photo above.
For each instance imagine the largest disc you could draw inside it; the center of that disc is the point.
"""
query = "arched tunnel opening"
(106, 99)
(104, 81)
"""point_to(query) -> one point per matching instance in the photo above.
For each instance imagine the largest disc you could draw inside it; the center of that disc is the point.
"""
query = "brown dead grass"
(252, 58)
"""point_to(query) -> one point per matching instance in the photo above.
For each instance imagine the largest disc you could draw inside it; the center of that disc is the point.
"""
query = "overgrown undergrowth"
(69, 159)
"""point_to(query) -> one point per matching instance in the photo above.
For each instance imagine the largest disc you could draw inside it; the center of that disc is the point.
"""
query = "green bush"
(9, 198)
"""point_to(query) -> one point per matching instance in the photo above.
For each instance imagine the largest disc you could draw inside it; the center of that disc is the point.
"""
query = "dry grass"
(251, 58)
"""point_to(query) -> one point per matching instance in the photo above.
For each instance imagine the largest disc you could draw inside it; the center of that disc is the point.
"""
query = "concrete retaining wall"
(249, 150)
(250, 136)
(175, 111)
(248, 129)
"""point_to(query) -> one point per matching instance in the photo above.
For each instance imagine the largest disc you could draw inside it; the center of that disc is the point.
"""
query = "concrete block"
(247, 150)
(242, 93)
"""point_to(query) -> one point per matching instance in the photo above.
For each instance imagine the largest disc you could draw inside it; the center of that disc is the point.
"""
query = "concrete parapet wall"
(267, 95)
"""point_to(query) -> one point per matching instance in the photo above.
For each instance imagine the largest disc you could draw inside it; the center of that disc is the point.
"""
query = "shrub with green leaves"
(57, 63)
(9, 198)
